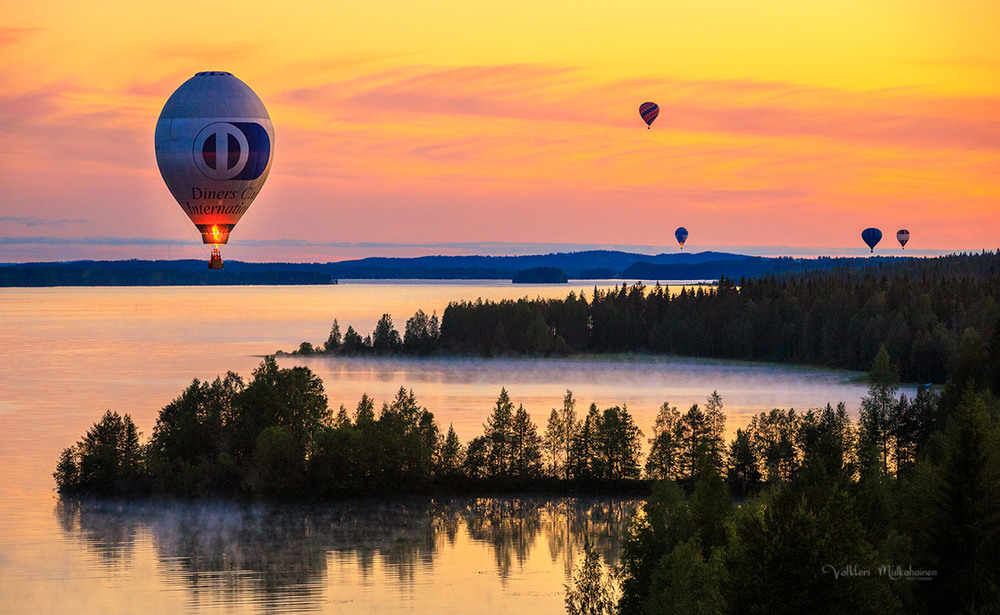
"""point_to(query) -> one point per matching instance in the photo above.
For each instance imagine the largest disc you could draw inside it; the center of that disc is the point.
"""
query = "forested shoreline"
(920, 309)
(275, 436)
(895, 511)
(812, 500)
(587, 265)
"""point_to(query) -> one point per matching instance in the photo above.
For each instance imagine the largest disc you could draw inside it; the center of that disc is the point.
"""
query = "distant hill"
(588, 265)
(149, 273)
(540, 275)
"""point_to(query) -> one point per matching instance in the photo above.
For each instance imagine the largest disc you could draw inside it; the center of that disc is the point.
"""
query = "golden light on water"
(73, 353)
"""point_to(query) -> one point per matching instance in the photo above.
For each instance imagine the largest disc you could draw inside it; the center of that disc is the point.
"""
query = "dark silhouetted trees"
(107, 461)
(664, 460)
(836, 516)
(334, 340)
(559, 433)
(920, 310)
(385, 338)
(422, 334)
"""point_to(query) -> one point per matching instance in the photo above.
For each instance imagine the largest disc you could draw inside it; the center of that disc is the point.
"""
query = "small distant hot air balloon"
(871, 236)
(902, 236)
(649, 111)
(682, 235)
(214, 146)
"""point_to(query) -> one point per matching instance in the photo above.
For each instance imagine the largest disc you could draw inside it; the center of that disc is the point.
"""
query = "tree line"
(89, 273)
(844, 512)
(894, 513)
(920, 309)
(276, 436)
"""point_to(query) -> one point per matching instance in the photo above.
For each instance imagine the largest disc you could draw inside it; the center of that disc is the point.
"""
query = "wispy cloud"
(521, 91)
(88, 241)
(33, 221)
(31, 107)
(11, 36)
(890, 117)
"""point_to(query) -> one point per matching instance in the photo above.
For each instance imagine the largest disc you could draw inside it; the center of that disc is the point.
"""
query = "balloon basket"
(216, 261)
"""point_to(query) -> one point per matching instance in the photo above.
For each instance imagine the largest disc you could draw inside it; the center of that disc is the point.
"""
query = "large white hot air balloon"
(214, 146)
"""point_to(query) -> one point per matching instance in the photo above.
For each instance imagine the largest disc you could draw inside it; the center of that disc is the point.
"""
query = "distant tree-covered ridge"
(540, 275)
(920, 309)
(587, 265)
(151, 273)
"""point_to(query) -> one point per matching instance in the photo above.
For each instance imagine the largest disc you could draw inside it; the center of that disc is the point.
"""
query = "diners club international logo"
(232, 150)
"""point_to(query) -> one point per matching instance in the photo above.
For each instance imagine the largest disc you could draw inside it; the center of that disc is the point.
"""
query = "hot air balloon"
(214, 146)
(649, 111)
(871, 236)
(902, 236)
(682, 235)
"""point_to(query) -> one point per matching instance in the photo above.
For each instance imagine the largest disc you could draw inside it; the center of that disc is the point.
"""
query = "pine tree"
(695, 438)
(570, 426)
(716, 418)
(664, 461)
(526, 449)
(744, 468)
(552, 443)
(333, 341)
(959, 504)
(619, 444)
(452, 454)
(594, 591)
(364, 415)
(499, 434)
(584, 461)
(877, 408)
(353, 343)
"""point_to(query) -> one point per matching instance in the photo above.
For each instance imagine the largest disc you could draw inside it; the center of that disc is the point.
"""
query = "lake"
(69, 354)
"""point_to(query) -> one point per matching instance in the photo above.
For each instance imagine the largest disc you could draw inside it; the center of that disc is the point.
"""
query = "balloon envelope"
(902, 236)
(871, 236)
(649, 111)
(214, 146)
(681, 234)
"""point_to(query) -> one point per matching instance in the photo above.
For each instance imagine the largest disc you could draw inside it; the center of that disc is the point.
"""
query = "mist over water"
(69, 354)
(463, 391)
(421, 555)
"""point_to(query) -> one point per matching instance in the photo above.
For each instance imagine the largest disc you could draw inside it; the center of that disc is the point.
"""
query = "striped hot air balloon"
(649, 111)
(871, 236)
(902, 236)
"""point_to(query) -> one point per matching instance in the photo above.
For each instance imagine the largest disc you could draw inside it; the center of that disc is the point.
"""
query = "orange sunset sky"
(443, 127)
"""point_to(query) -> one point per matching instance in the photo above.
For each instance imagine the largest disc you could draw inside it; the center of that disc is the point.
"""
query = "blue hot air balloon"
(214, 146)
(902, 236)
(649, 111)
(682, 235)
(871, 236)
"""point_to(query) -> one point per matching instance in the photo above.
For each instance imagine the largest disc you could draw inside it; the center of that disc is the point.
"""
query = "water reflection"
(288, 558)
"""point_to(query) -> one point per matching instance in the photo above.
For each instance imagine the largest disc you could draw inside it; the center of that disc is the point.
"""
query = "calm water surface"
(69, 354)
